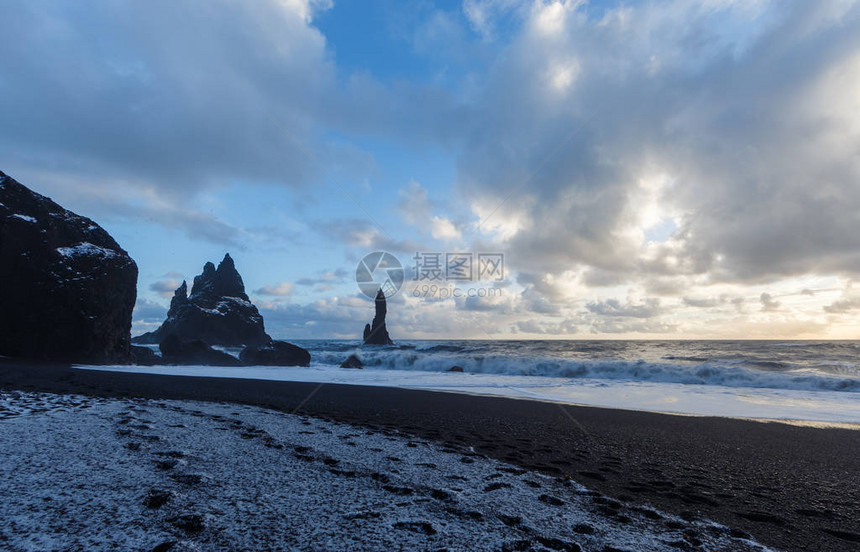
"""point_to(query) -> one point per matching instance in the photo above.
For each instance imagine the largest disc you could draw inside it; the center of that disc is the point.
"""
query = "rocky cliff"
(217, 312)
(67, 288)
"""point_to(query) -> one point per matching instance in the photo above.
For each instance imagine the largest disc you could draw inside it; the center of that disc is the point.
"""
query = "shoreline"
(827, 408)
(790, 487)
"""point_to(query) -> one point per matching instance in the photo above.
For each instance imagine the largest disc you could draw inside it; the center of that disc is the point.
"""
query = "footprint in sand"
(157, 498)
(422, 527)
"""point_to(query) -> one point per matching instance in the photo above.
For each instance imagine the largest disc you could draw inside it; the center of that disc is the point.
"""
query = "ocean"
(814, 381)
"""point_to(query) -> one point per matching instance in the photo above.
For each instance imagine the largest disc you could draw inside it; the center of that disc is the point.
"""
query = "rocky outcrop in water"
(67, 288)
(175, 350)
(217, 312)
(376, 333)
(352, 361)
(143, 356)
(276, 353)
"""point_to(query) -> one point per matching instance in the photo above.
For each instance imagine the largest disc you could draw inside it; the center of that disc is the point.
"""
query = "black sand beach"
(792, 488)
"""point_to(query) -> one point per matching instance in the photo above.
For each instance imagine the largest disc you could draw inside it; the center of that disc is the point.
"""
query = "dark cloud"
(279, 290)
(768, 303)
(230, 99)
(565, 327)
(365, 234)
(595, 277)
(843, 305)
(540, 305)
(647, 308)
(667, 286)
(632, 326)
(327, 278)
(849, 301)
(543, 285)
(529, 326)
(130, 203)
(498, 304)
(701, 302)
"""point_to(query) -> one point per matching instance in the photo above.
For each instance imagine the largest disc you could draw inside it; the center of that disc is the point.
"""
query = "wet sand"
(790, 487)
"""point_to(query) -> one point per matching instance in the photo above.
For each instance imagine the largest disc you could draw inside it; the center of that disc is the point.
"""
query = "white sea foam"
(815, 381)
(703, 373)
(707, 400)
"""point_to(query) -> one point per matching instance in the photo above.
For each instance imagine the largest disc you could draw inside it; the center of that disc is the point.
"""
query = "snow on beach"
(87, 473)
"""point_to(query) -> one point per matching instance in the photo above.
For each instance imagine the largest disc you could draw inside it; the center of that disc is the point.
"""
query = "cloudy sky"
(649, 169)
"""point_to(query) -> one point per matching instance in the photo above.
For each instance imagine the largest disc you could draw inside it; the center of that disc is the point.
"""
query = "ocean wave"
(752, 373)
(769, 364)
(442, 348)
(687, 358)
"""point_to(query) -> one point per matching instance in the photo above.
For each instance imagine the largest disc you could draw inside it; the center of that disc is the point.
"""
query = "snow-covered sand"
(80, 473)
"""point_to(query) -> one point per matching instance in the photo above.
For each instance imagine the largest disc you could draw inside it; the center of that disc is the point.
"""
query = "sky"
(646, 169)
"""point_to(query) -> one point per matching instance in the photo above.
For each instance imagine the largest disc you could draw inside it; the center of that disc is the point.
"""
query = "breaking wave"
(483, 358)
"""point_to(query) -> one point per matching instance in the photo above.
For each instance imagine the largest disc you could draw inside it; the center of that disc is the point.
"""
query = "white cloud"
(306, 9)
(549, 17)
(444, 229)
(696, 140)
(483, 15)
(165, 288)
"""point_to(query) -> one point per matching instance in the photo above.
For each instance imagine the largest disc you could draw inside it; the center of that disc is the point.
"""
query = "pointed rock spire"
(228, 282)
(180, 297)
(376, 333)
(205, 282)
(213, 284)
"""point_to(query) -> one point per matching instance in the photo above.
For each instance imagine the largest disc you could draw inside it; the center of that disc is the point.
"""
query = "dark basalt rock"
(376, 333)
(217, 312)
(67, 288)
(143, 356)
(276, 353)
(455, 369)
(352, 362)
(176, 351)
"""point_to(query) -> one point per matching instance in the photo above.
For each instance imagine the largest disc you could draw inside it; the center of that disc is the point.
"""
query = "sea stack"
(217, 312)
(375, 333)
(67, 288)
